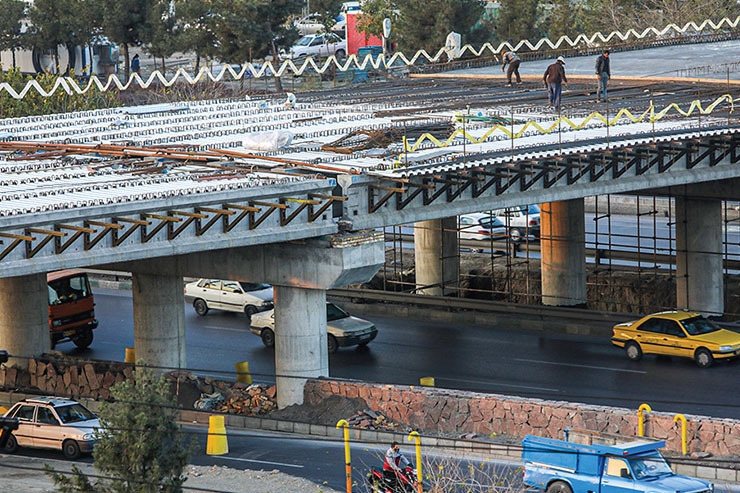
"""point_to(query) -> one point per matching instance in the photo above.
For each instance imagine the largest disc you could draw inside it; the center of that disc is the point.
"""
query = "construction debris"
(229, 397)
(361, 140)
(371, 420)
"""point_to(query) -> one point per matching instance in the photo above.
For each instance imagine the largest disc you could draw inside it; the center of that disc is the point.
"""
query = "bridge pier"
(300, 274)
(699, 280)
(436, 252)
(300, 340)
(24, 317)
(563, 249)
(159, 319)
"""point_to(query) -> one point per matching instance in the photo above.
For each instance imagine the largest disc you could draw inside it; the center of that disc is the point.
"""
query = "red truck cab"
(71, 308)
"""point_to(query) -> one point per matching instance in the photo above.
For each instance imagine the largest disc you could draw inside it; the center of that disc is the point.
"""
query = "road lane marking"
(225, 328)
(496, 384)
(263, 462)
(605, 368)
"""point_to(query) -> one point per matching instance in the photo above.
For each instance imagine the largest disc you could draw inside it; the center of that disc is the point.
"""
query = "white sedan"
(343, 329)
(317, 45)
(230, 296)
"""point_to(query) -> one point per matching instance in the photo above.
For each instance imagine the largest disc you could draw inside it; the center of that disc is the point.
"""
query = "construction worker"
(513, 60)
(603, 73)
(554, 78)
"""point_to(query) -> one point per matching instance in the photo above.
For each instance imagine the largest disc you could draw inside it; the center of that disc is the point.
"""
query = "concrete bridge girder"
(419, 204)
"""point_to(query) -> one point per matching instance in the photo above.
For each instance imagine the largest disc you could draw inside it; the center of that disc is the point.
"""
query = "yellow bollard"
(217, 443)
(3, 410)
(427, 381)
(242, 372)
(130, 355)
(684, 444)
(419, 483)
(644, 408)
(348, 463)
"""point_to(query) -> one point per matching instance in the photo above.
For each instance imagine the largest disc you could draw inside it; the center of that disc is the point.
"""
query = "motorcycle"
(380, 481)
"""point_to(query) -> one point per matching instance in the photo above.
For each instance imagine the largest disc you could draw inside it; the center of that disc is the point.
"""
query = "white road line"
(605, 368)
(297, 466)
(225, 328)
(496, 384)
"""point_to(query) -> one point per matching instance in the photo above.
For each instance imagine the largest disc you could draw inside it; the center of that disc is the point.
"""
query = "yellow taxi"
(677, 334)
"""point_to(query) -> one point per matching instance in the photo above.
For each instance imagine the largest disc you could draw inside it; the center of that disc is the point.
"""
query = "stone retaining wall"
(64, 376)
(448, 411)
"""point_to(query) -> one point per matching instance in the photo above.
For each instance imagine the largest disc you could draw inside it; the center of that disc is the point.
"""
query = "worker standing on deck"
(603, 73)
(554, 78)
(513, 60)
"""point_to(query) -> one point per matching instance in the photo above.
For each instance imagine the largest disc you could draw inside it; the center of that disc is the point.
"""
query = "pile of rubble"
(227, 397)
(370, 420)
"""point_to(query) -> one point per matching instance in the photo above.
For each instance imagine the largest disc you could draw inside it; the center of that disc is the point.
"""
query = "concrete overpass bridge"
(168, 191)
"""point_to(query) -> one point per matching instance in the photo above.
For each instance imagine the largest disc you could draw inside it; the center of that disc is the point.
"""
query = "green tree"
(158, 32)
(235, 28)
(564, 18)
(517, 20)
(328, 11)
(139, 443)
(196, 34)
(10, 25)
(440, 17)
(373, 14)
(123, 22)
(274, 29)
(59, 22)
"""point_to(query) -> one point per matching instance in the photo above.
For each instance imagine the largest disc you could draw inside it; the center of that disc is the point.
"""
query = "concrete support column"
(159, 319)
(436, 256)
(563, 247)
(24, 317)
(699, 281)
(300, 340)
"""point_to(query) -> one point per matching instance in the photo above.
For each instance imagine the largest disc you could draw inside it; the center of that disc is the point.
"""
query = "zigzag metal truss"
(68, 84)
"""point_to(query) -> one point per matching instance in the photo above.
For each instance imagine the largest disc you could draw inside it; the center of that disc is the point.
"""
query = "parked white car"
(231, 296)
(481, 226)
(520, 220)
(343, 329)
(317, 45)
(53, 423)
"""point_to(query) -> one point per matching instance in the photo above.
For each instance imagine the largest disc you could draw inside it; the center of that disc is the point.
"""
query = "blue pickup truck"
(557, 466)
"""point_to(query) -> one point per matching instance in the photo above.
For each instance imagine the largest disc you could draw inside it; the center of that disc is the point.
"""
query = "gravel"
(227, 479)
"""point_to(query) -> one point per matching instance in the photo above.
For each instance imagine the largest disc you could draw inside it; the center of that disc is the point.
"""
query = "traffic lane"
(502, 360)
(550, 366)
(322, 460)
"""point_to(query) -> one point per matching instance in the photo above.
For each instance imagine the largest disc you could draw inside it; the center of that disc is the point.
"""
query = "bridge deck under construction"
(124, 154)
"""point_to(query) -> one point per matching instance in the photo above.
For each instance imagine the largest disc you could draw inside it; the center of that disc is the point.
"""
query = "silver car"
(53, 423)
(343, 329)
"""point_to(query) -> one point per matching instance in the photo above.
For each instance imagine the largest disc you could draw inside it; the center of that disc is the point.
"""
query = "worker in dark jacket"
(554, 78)
(513, 60)
(603, 73)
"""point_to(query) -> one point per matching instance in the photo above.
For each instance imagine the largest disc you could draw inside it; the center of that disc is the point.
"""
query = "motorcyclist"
(395, 463)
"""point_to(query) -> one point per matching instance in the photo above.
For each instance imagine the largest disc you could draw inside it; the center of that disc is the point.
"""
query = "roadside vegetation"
(35, 104)
(139, 448)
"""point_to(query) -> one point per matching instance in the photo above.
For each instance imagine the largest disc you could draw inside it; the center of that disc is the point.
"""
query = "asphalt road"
(319, 461)
(551, 366)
